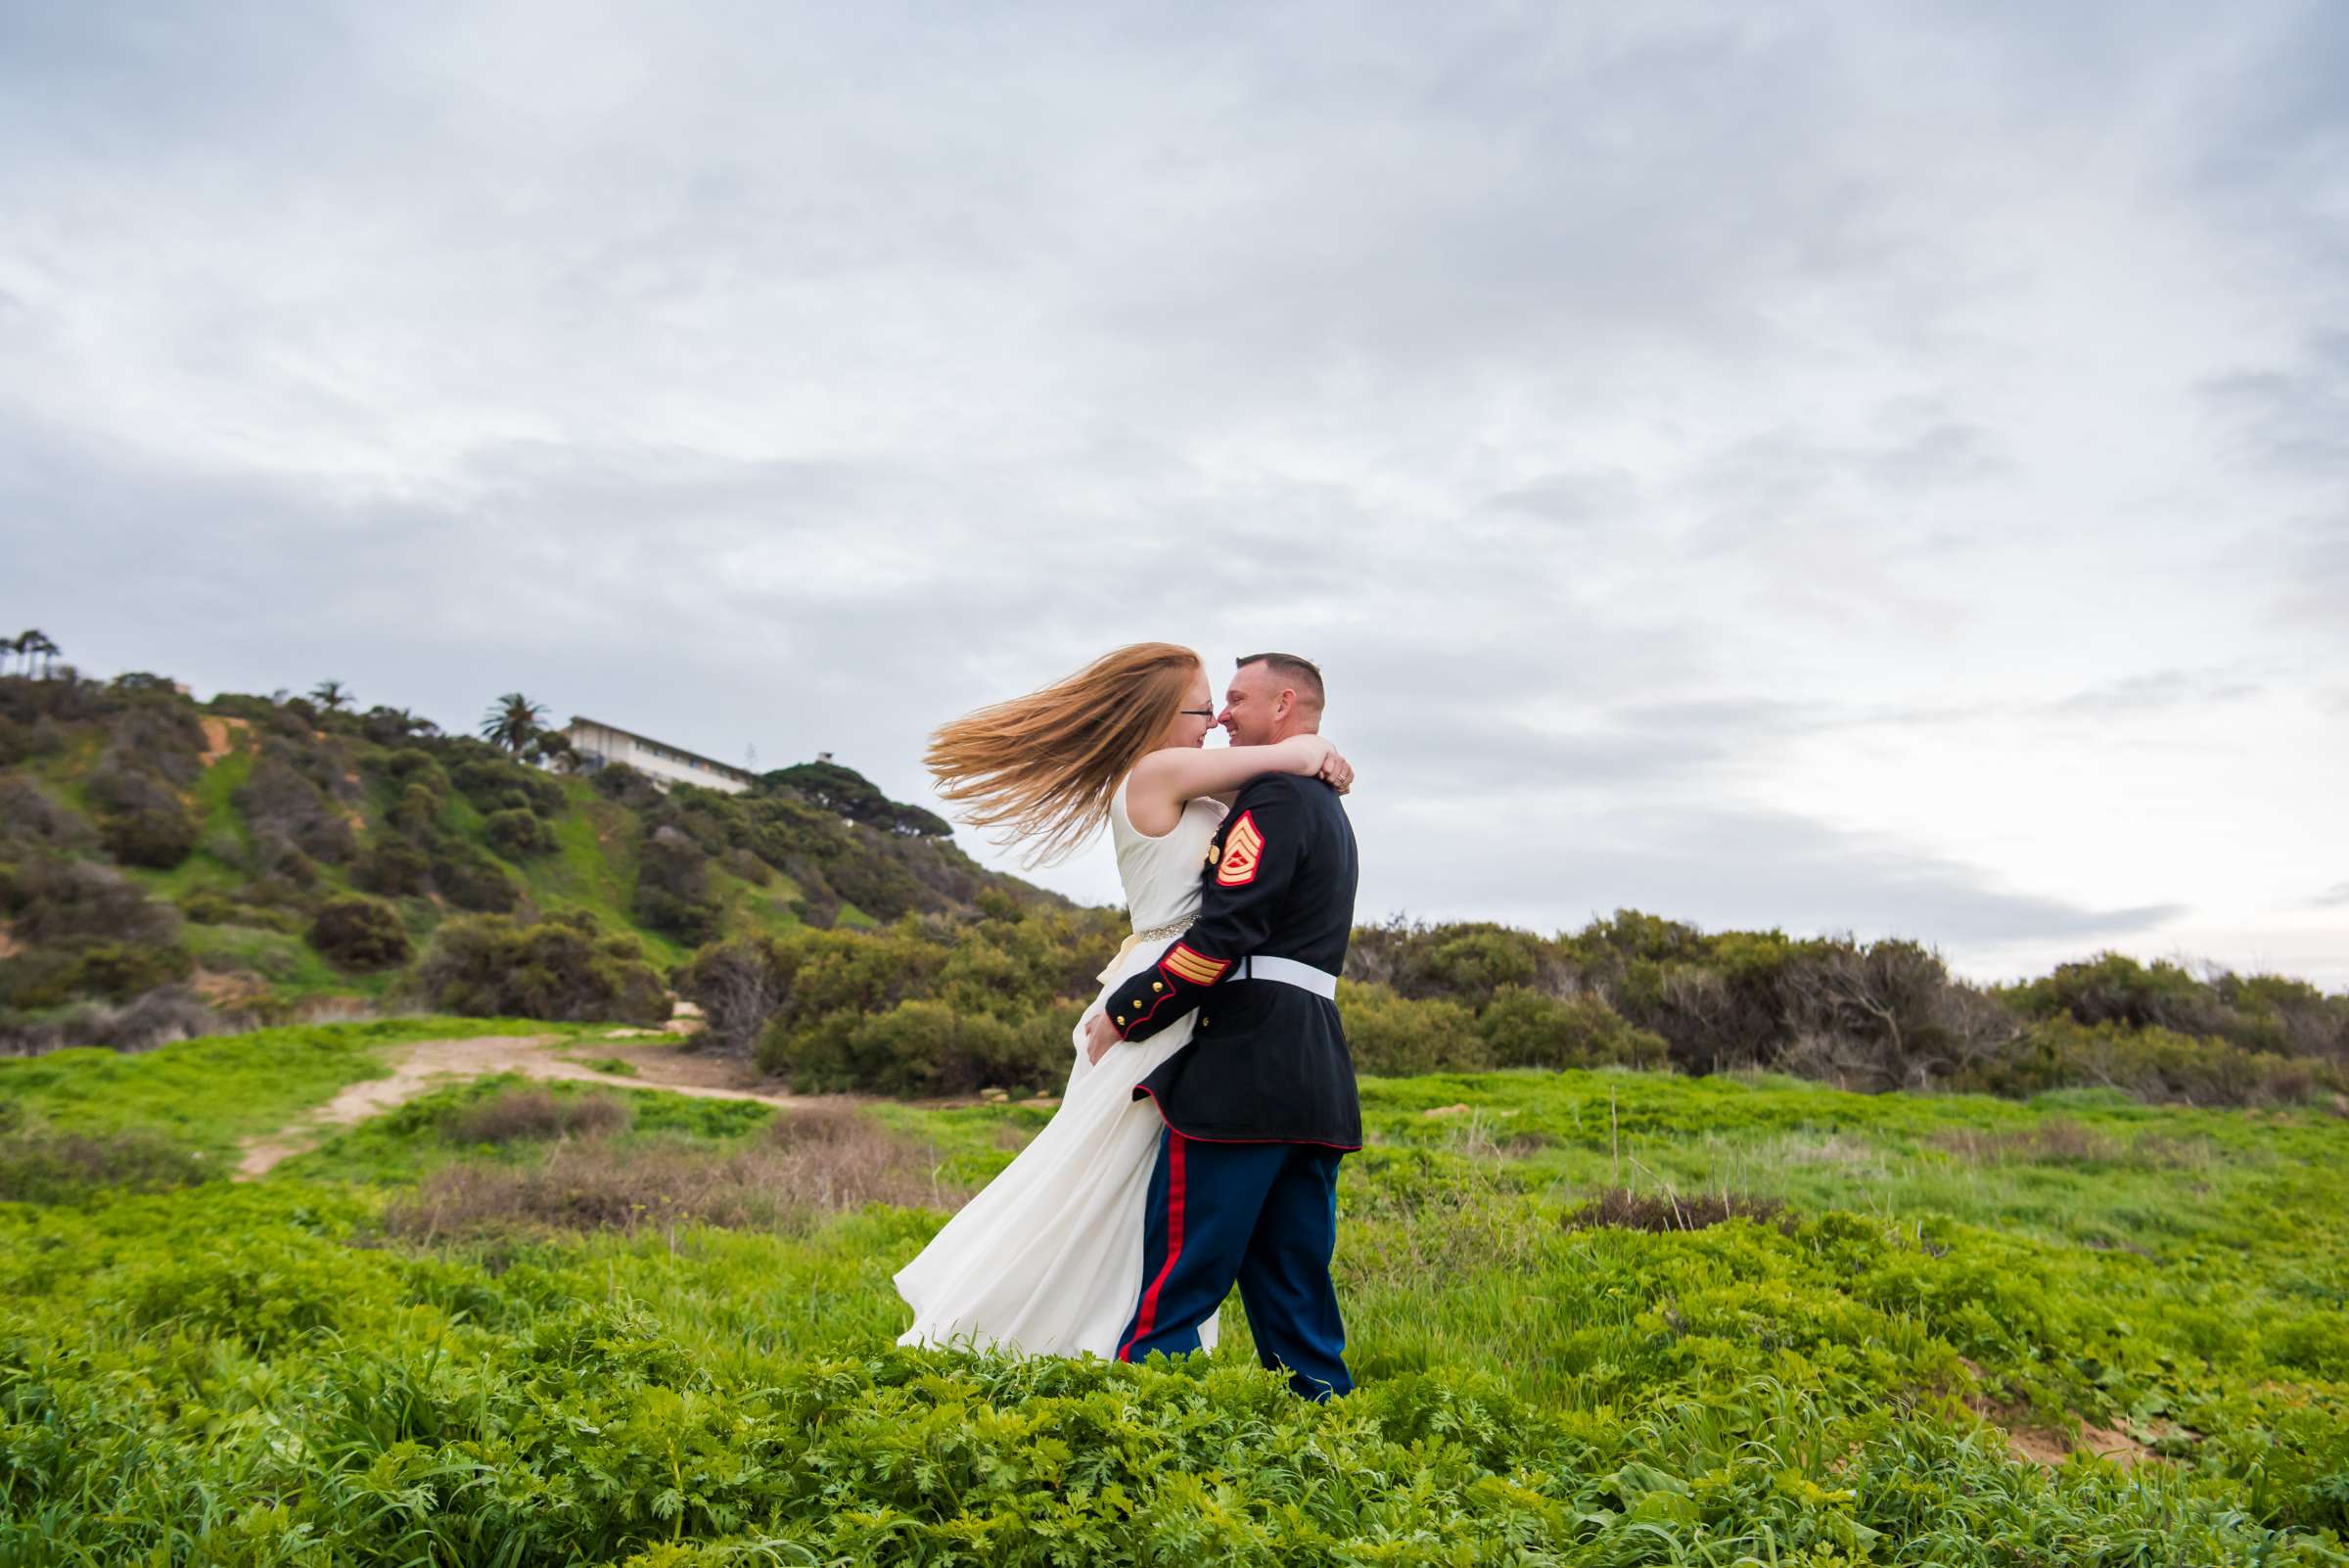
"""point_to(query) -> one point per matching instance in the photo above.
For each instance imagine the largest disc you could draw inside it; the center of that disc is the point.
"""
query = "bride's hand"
(1312, 757)
(1337, 772)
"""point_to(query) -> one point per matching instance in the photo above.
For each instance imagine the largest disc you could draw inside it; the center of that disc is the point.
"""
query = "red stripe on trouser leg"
(1146, 1315)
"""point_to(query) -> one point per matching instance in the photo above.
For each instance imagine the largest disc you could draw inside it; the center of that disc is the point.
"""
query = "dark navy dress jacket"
(1267, 1060)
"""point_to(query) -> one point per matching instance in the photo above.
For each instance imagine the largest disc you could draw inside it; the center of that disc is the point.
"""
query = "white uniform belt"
(1289, 972)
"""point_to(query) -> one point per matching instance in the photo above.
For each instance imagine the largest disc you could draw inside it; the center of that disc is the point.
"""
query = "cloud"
(1643, 416)
(1552, 866)
(2153, 692)
(2293, 418)
(2335, 896)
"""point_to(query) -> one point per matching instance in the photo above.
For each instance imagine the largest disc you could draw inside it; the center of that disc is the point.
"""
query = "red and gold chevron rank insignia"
(1243, 849)
(1195, 967)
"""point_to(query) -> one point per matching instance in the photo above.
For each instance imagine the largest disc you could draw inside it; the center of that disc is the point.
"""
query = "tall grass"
(289, 1373)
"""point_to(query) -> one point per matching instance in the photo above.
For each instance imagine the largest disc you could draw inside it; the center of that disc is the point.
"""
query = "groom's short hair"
(1302, 674)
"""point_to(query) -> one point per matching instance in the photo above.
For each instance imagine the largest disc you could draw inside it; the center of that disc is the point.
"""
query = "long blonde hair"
(1042, 766)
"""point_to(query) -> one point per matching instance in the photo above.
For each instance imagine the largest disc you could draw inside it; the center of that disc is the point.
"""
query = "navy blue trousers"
(1263, 1216)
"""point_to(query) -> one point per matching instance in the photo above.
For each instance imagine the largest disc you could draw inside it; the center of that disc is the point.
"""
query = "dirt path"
(421, 1067)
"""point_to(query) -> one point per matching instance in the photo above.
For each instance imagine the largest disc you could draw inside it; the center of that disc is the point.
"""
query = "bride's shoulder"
(1153, 766)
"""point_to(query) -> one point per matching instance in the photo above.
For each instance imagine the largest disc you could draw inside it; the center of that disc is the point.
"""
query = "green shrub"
(493, 783)
(1392, 1036)
(413, 764)
(471, 880)
(121, 970)
(55, 974)
(924, 1048)
(518, 833)
(875, 881)
(393, 867)
(1525, 1028)
(673, 888)
(142, 819)
(2114, 989)
(357, 932)
(416, 810)
(2152, 1064)
(563, 967)
(629, 785)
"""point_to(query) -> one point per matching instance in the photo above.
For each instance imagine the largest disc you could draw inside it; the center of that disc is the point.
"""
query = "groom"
(1261, 1104)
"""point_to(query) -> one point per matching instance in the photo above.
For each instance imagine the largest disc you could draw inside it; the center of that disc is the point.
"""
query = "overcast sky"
(1832, 466)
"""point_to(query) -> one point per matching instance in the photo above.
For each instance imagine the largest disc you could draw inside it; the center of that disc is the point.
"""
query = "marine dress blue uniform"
(1261, 1105)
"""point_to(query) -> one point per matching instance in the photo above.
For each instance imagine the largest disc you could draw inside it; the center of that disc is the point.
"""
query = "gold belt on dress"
(1116, 969)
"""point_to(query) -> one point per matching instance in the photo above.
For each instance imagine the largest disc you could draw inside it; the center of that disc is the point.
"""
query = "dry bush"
(57, 899)
(284, 804)
(603, 1186)
(818, 1127)
(39, 1166)
(738, 986)
(1627, 1210)
(2059, 1140)
(515, 1113)
(158, 1017)
(27, 815)
(1886, 1016)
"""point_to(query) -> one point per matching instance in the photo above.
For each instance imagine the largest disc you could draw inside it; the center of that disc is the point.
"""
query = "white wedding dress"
(1047, 1259)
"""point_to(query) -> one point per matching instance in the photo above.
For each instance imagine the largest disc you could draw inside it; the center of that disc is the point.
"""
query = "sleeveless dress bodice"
(1161, 875)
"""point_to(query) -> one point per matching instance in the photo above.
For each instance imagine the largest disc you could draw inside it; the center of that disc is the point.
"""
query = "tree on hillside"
(512, 720)
(35, 644)
(390, 725)
(8, 648)
(331, 695)
(551, 747)
(826, 783)
(837, 789)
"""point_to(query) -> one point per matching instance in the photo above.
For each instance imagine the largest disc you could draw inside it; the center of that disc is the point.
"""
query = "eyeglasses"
(1196, 712)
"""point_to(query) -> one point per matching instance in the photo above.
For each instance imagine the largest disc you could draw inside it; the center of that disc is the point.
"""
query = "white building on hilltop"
(600, 745)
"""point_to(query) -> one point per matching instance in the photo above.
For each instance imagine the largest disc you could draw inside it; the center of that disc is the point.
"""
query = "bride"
(1047, 1259)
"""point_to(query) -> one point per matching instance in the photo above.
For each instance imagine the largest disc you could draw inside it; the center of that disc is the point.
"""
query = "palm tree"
(37, 642)
(512, 720)
(331, 695)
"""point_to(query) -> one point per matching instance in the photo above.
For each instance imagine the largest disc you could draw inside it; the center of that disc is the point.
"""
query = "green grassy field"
(289, 1371)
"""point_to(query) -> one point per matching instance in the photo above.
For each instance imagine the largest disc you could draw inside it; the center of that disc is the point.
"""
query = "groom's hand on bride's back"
(1100, 1035)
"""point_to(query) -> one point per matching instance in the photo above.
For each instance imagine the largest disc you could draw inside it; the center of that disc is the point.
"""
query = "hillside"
(169, 868)
(272, 853)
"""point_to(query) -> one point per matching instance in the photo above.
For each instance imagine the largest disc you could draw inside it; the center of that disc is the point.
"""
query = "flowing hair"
(1042, 766)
